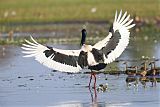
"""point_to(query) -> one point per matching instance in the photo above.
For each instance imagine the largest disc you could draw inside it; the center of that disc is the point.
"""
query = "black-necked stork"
(94, 57)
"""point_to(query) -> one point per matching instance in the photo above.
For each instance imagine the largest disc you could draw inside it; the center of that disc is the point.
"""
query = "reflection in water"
(69, 104)
(132, 80)
(135, 80)
(93, 94)
(100, 104)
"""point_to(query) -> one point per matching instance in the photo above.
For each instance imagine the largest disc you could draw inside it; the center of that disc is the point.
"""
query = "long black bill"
(83, 39)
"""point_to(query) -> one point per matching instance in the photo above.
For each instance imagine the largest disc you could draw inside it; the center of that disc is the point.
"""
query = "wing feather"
(128, 23)
(33, 44)
(29, 46)
(130, 26)
(113, 46)
(115, 18)
(120, 14)
(47, 56)
(125, 20)
(123, 17)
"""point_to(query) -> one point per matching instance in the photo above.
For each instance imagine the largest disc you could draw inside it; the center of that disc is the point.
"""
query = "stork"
(94, 57)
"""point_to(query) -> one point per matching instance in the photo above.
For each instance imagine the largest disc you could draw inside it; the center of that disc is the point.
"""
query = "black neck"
(83, 39)
(111, 29)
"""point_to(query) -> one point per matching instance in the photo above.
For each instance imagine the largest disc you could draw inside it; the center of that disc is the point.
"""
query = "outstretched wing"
(57, 59)
(115, 43)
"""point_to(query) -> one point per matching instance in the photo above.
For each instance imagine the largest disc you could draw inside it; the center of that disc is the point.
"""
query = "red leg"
(94, 80)
(94, 74)
(90, 80)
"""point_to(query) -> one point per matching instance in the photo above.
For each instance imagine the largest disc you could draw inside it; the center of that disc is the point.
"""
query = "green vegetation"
(23, 11)
(43, 40)
(146, 34)
(71, 33)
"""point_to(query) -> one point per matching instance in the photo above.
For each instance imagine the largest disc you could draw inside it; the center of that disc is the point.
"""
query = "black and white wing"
(115, 43)
(57, 59)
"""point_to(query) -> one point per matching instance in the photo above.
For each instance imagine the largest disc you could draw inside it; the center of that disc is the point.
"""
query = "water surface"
(25, 82)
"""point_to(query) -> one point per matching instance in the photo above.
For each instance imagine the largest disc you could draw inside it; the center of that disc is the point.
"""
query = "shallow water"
(25, 82)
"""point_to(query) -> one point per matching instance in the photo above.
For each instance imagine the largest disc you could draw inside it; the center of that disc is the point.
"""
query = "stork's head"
(83, 39)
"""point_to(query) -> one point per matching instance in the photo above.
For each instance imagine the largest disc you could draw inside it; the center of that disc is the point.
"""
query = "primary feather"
(39, 52)
(120, 35)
